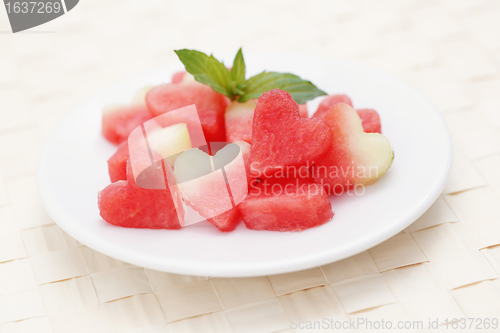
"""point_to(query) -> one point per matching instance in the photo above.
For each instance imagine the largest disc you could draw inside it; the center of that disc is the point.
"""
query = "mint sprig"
(233, 84)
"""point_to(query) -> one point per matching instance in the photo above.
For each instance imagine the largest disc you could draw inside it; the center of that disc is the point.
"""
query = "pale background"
(446, 265)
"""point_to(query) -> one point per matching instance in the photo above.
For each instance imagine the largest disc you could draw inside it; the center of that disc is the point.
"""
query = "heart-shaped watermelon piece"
(239, 120)
(283, 141)
(126, 204)
(355, 157)
(118, 121)
(210, 105)
(214, 185)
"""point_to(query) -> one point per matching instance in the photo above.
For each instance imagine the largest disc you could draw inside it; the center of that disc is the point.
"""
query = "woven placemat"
(446, 265)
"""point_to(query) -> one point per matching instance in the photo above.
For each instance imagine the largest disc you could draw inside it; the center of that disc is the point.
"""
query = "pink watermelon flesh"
(282, 141)
(239, 128)
(130, 206)
(369, 117)
(150, 171)
(303, 110)
(226, 221)
(245, 151)
(187, 115)
(285, 204)
(339, 156)
(210, 105)
(144, 172)
(244, 147)
(370, 120)
(209, 193)
(330, 101)
(177, 77)
(345, 164)
(118, 123)
(239, 118)
(127, 205)
(209, 196)
(117, 164)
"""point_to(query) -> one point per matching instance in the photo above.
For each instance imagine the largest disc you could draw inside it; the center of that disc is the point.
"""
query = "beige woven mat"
(446, 265)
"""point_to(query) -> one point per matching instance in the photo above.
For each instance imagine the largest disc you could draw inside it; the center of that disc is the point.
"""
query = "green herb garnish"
(233, 84)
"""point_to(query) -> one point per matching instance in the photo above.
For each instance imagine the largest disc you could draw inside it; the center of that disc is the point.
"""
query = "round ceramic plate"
(72, 168)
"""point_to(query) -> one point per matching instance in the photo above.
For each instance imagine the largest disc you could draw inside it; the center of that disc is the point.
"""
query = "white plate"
(72, 169)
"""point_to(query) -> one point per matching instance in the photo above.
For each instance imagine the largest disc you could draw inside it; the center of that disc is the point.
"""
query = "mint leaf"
(239, 68)
(238, 74)
(301, 90)
(207, 70)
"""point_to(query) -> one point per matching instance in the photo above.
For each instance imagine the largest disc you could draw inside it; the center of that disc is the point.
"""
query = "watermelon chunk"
(303, 110)
(227, 221)
(213, 186)
(282, 141)
(355, 157)
(245, 152)
(117, 164)
(126, 204)
(177, 77)
(146, 169)
(239, 118)
(370, 120)
(119, 121)
(169, 141)
(210, 105)
(285, 204)
(330, 101)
